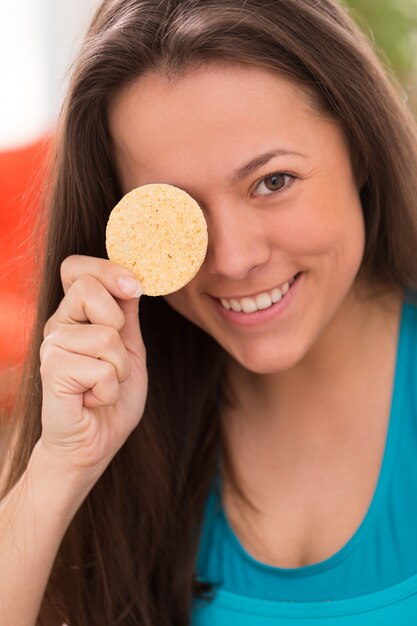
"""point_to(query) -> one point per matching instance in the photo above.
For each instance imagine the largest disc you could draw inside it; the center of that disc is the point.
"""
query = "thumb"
(130, 333)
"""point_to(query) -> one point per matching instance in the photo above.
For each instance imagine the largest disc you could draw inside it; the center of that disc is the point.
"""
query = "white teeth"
(261, 301)
(235, 306)
(276, 295)
(248, 305)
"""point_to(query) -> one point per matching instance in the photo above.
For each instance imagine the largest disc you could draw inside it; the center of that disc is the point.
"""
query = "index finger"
(119, 281)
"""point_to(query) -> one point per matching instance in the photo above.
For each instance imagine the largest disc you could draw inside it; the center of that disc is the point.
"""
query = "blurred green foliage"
(392, 24)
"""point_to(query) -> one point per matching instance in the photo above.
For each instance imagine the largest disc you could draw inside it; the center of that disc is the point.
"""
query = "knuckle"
(108, 372)
(50, 356)
(87, 295)
(110, 338)
(126, 370)
(67, 268)
(111, 392)
(47, 328)
(44, 369)
(45, 349)
(85, 285)
(84, 291)
(123, 368)
(114, 395)
(119, 320)
(52, 323)
(74, 271)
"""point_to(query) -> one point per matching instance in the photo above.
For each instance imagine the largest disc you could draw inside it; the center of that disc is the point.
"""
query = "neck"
(322, 391)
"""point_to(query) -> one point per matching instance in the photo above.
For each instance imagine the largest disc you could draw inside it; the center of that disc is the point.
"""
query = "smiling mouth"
(259, 302)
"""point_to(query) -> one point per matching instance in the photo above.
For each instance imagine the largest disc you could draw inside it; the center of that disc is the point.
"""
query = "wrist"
(48, 473)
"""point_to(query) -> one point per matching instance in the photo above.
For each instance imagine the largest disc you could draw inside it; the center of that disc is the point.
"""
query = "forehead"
(206, 89)
(215, 115)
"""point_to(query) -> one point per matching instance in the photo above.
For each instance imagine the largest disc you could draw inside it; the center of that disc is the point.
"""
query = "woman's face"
(274, 179)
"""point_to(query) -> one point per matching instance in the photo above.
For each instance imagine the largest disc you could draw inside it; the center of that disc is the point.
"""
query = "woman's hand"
(93, 366)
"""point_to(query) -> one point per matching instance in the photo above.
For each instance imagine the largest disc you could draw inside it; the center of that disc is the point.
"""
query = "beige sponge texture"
(159, 232)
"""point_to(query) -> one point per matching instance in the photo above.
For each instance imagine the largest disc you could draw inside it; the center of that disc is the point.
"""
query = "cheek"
(324, 223)
(181, 302)
(175, 301)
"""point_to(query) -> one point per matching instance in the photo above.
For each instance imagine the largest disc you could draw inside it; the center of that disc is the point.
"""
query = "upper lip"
(255, 293)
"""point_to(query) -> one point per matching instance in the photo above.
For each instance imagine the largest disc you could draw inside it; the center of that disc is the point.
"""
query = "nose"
(238, 241)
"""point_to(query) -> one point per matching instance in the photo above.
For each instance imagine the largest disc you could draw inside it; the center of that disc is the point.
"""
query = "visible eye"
(273, 183)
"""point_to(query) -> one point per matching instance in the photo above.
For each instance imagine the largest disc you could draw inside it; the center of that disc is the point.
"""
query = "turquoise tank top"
(371, 580)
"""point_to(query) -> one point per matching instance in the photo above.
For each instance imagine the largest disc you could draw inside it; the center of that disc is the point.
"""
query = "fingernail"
(130, 286)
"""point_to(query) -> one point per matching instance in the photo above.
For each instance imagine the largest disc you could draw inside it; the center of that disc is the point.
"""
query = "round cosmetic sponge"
(158, 232)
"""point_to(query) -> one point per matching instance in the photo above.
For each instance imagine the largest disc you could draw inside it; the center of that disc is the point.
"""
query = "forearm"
(33, 519)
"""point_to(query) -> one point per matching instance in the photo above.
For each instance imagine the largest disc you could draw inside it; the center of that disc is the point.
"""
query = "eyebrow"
(252, 165)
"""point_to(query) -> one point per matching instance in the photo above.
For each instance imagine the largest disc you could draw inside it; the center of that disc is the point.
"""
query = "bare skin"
(314, 383)
(311, 464)
(94, 389)
(293, 442)
(94, 375)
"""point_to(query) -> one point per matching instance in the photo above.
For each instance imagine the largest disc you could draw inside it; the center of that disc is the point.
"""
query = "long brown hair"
(129, 555)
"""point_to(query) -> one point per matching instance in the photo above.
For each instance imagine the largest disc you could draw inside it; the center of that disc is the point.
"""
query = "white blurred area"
(38, 42)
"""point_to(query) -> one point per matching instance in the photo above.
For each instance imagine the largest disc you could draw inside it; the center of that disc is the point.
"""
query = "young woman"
(246, 452)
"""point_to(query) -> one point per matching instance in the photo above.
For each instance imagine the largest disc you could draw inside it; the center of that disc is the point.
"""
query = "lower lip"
(250, 320)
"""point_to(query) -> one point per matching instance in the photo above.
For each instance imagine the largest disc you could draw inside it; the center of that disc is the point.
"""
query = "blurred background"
(38, 42)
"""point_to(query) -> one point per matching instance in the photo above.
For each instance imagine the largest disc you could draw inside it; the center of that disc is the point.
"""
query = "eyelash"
(291, 178)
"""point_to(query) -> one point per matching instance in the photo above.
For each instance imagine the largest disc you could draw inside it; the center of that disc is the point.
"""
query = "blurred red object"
(22, 180)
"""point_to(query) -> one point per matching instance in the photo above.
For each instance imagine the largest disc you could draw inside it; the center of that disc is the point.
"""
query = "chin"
(266, 360)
